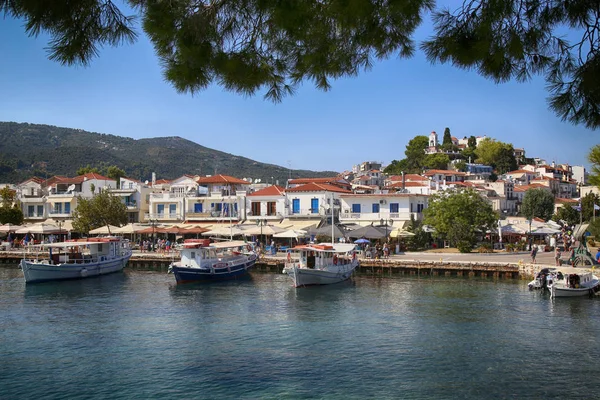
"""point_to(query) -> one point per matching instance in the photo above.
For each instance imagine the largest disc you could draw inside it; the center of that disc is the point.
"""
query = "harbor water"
(137, 335)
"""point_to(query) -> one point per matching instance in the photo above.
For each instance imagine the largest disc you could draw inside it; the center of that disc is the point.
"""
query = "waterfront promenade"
(501, 264)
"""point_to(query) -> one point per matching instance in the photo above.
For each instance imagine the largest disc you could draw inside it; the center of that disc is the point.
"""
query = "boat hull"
(37, 272)
(309, 276)
(185, 274)
(587, 288)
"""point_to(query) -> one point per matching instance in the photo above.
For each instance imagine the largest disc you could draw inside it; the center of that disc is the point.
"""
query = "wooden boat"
(75, 259)
(321, 264)
(202, 261)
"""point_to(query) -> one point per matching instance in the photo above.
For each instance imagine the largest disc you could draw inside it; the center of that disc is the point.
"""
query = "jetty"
(494, 265)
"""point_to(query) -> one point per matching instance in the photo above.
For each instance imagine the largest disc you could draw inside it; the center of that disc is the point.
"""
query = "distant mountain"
(28, 150)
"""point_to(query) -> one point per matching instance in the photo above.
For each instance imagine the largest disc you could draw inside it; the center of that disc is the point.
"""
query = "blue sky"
(369, 117)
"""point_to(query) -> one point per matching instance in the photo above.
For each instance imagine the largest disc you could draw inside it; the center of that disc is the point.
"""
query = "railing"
(163, 216)
(211, 214)
(56, 213)
(64, 194)
(400, 216)
(34, 216)
(306, 212)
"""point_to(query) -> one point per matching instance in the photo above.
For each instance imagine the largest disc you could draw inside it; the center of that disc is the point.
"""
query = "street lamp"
(384, 221)
(261, 223)
(153, 224)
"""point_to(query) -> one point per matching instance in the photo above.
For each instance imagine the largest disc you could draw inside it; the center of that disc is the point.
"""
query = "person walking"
(534, 250)
(556, 256)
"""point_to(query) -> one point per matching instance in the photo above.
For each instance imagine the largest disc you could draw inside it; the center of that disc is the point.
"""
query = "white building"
(266, 204)
(365, 209)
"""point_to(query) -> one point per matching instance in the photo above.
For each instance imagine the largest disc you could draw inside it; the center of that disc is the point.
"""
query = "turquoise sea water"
(137, 335)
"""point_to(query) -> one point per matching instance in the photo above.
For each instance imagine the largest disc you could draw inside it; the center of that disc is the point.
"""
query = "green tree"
(116, 173)
(517, 39)
(594, 229)
(594, 158)
(421, 239)
(505, 159)
(87, 170)
(247, 45)
(461, 166)
(458, 216)
(241, 45)
(11, 215)
(537, 203)
(436, 161)
(396, 167)
(8, 196)
(415, 153)
(587, 206)
(103, 209)
(499, 155)
(447, 140)
(472, 142)
(566, 213)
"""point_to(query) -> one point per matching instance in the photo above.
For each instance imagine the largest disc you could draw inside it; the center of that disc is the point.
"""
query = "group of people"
(160, 246)
(377, 251)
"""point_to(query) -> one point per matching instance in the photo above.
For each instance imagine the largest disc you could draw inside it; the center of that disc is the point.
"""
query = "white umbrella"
(42, 229)
(399, 233)
(9, 228)
(103, 230)
(225, 231)
(128, 229)
(291, 233)
(267, 230)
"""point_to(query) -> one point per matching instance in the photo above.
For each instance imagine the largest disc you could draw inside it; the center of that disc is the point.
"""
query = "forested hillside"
(42, 150)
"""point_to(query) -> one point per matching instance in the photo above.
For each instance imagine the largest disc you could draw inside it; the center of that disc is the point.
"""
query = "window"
(271, 208)
(296, 206)
(160, 209)
(30, 211)
(57, 208)
(172, 209)
(40, 211)
(394, 207)
(197, 207)
(67, 208)
(356, 208)
(255, 208)
(375, 208)
(419, 208)
(411, 207)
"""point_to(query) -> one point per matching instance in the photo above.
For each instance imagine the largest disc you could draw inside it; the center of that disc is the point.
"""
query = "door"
(314, 206)
(375, 208)
(172, 210)
(295, 206)
(198, 207)
(67, 208)
(160, 210)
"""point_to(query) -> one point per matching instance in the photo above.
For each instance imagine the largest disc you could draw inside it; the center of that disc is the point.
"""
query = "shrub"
(464, 246)
(485, 248)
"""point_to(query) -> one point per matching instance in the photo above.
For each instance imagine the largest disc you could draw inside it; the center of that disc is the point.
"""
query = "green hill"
(28, 150)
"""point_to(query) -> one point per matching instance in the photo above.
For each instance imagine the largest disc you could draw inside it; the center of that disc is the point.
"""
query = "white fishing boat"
(321, 264)
(202, 261)
(75, 259)
(545, 279)
(575, 285)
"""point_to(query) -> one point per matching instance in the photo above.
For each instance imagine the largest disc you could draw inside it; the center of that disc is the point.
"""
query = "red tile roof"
(407, 177)
(302, 181)
(269, 191)
(162, 181)
(444, 172)
(221, 179)
(521, 171)
(398, 185)
(33, 179)
(318, 187)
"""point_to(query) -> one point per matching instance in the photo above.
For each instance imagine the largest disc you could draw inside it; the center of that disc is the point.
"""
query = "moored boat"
(321, 264)
(202, 261)
(575, 285)
(75, 259)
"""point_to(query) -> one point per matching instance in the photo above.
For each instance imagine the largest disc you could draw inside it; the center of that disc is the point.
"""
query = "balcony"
(307, 212)
(210, 215)
(63, 195)
(132, 206)
(34, 216)
(59, 214)
(399, 216)
(167, 196)
(164, 216)
(31, 199)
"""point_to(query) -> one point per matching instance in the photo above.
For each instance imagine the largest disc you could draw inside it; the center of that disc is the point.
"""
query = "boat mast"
(332, 225)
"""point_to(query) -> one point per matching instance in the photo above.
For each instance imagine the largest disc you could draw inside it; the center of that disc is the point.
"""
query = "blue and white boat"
(75, 259)
(202, 261)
